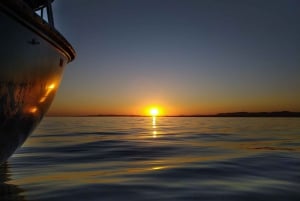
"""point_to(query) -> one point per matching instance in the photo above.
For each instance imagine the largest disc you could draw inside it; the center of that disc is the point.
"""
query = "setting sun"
(154, 111)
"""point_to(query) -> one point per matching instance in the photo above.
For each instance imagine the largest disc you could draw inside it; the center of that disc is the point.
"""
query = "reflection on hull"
(31, 66)
(20, 112)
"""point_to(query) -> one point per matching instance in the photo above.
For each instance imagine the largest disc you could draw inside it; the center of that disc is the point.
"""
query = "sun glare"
(154, 112)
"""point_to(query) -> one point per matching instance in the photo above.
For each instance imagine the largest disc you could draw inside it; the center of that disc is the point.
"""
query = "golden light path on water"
(154, 132)
(154, 112)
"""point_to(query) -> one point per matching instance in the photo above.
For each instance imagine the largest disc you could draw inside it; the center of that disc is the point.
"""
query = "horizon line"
(223, 114)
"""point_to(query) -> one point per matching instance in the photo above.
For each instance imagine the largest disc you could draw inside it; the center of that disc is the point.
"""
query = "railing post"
(50, 14)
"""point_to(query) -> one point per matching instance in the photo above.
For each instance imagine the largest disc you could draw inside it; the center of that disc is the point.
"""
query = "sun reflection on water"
(154, 132)
(153, 122)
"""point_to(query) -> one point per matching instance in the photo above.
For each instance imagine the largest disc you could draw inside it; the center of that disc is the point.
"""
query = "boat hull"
(31, 68)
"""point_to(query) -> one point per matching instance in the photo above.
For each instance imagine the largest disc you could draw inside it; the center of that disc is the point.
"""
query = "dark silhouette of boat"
(33, 56)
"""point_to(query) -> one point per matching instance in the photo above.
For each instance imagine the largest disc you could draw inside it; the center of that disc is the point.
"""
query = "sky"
(183, 56)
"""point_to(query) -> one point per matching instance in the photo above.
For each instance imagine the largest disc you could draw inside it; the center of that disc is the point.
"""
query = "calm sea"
(133, 158)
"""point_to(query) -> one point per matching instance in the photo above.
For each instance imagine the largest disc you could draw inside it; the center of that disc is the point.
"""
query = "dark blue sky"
(185, 56)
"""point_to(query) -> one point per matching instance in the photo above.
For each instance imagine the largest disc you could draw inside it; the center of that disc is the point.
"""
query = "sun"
(154, 112)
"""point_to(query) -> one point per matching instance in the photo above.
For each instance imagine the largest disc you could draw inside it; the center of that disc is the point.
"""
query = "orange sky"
(63, 106)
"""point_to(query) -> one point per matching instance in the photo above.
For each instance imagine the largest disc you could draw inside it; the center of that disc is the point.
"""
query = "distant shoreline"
(230, 114)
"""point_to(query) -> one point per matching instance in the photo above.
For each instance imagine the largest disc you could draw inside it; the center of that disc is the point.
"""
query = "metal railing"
(26, 15)
(39, 6)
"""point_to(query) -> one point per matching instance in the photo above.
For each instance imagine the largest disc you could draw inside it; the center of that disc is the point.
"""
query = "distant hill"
(248, 114)
(260, 114)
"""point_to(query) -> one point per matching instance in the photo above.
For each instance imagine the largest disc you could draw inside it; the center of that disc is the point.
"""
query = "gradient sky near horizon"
(185, 56)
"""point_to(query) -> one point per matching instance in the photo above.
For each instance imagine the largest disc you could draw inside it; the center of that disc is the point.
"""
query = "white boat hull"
(31, 68)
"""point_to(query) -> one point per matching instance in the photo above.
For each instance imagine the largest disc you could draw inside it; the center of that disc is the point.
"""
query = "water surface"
(133, 158)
